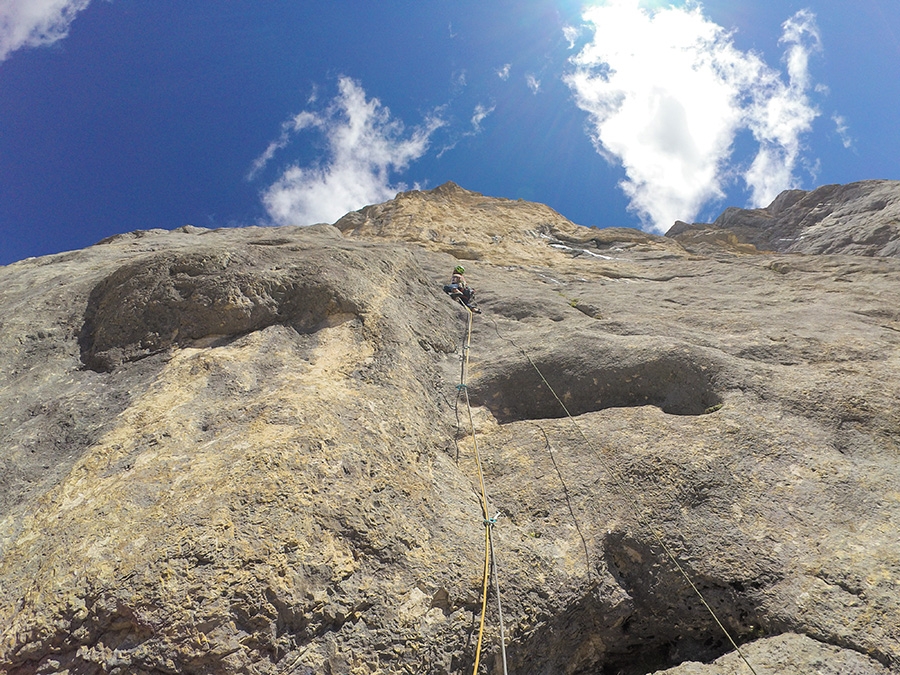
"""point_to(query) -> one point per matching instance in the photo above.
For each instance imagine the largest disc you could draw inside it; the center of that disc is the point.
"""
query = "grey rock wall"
(858, 219)
(242, 451)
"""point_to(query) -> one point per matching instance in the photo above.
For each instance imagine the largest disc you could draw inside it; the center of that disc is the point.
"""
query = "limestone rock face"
(245, 451)
(859, 219)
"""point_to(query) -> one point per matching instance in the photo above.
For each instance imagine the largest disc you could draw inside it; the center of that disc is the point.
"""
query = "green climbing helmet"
(459, 269)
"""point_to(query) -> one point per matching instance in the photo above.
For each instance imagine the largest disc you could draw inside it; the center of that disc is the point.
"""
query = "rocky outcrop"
(859, 219)
(242, 451)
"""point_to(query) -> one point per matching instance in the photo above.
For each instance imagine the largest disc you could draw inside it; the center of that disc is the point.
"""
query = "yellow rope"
(485, 509)
(634, 505)
(484, 592)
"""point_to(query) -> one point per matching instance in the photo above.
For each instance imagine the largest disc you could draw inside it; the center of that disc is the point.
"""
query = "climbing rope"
(489, 521)
(587, 557)
(499, 604)
(624, 491)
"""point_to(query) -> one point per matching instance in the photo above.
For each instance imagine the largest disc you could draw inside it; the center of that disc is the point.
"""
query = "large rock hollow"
(152, 304)
(670, 623)
(658, 623)
(675, 381)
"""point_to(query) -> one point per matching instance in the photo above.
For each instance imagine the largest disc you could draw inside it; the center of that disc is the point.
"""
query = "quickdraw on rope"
(488, 520)
(634, 506)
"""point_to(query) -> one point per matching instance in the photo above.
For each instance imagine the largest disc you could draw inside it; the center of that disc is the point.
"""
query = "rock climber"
(459, 290)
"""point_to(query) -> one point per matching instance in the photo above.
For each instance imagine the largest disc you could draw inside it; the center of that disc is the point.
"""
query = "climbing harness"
(489, 521)
(623, 490)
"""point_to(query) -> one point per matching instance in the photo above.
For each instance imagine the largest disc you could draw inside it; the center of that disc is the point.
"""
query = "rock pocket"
(592, 376)
(171, 299)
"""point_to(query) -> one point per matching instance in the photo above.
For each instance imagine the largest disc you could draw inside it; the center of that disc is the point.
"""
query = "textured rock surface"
(859, 219)
(237, 451)
(784, 655)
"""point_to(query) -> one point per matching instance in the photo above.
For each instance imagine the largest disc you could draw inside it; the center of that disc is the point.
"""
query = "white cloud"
(802, 34)
(297, 123)
(781, 114)
(478, 116)
(571, 33)
(533, 83)
(840, 125)
(365, 145)
(32, 23)
(667, 92)
(503, 72)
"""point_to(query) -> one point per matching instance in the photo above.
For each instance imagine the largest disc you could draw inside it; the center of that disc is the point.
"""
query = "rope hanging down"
(485, 509)
(623, 490)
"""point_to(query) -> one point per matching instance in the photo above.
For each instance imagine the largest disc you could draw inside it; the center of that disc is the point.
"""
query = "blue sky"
(118, 115)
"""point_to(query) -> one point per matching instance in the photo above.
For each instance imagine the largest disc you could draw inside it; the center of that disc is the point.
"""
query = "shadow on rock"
(590, 377)
(171, 299)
